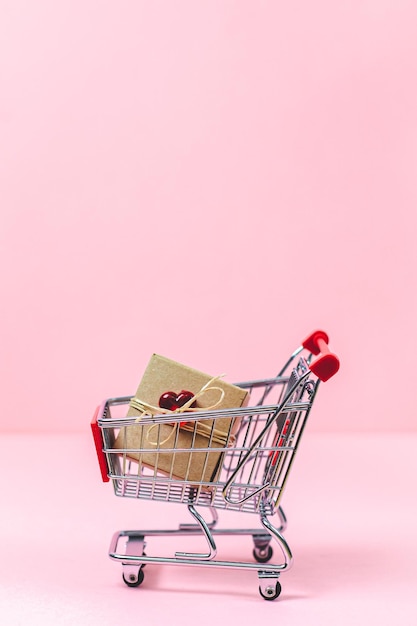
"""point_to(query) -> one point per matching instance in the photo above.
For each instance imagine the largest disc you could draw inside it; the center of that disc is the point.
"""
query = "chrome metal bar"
(285, 548)
(181, 531)
(248, 411)
(282, 408)
(211, 525)
(266, 567)
(207, 534)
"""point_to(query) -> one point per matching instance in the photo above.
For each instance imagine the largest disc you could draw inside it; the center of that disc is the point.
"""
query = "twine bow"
(216, 436)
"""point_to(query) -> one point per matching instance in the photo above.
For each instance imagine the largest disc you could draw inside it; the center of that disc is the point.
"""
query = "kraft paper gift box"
(163, 375)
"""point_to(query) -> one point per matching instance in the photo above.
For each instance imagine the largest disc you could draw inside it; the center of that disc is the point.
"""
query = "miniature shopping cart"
(255, 463)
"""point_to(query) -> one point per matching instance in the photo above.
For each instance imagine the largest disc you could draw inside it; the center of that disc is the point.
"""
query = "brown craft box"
(161, 375)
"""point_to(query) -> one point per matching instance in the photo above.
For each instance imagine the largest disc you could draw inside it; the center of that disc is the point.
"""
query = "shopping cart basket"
(256, 461)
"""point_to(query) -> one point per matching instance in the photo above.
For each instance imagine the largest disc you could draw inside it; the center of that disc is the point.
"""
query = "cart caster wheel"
(134, 581)
(269, 593)
(263, 555)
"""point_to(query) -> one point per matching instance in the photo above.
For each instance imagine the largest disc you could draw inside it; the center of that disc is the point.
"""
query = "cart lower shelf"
(128, 548)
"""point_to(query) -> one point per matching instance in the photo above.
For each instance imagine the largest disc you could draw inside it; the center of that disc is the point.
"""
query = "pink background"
(211, 181)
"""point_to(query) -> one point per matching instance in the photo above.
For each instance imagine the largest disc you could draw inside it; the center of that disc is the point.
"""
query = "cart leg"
(207, 534)
(263, 551)
(212, 524)
(276, 533)
(133, 574)
(270, 587)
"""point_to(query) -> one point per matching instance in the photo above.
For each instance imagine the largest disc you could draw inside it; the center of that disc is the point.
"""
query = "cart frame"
(254, 471)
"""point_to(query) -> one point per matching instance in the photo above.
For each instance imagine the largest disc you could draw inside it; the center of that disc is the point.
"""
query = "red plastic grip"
(327, 364)
(98, 442)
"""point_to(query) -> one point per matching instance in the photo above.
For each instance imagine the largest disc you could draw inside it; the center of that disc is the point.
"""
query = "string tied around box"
(215, 435)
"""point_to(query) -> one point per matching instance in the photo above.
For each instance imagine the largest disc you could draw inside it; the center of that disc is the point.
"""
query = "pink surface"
(352, 516)
(211, 181)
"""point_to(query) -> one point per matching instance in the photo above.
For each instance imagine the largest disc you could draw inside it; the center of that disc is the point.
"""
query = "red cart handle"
(327, 363)
(98, 441)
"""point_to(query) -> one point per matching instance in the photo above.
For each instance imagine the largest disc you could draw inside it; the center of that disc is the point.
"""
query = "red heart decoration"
(168, 400)
(172, 401)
